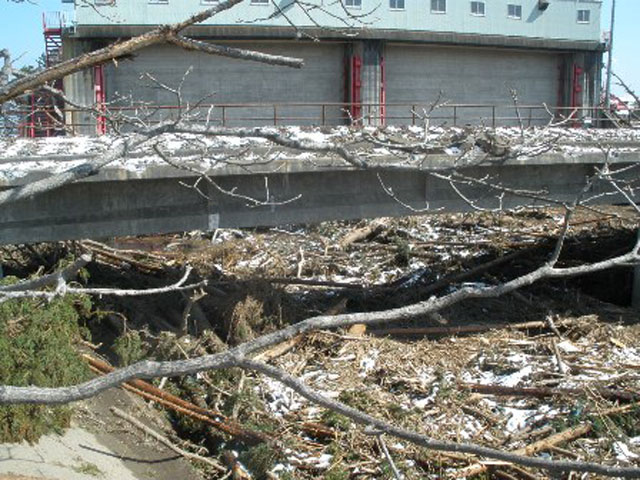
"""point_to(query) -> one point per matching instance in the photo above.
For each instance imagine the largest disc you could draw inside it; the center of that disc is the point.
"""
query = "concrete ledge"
(161, 203)
(286, 164)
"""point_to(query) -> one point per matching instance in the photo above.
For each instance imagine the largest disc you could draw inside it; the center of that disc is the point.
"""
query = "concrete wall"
(468, 76)
(79, 88)
(230, 81)
(558, 21)
(97, 207)
(414, 74)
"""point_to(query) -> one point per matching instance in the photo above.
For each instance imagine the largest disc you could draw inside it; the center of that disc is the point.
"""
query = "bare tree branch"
(148, 369)
(231, 52)
(47, 280)
(63, 289)
(165, 33)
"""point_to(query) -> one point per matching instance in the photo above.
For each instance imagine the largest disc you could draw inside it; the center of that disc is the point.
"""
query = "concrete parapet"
(118, 202)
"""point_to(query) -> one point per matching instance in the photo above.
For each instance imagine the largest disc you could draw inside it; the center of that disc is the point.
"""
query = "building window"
(396, 4)
(584, 16)
(438, 6)
(514, 11)
(353, 3)
(477, 8)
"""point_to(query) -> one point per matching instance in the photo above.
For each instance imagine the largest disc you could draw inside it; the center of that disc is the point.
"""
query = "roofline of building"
(236, 32)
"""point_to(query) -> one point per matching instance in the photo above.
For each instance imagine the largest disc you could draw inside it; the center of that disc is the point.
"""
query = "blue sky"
(626, 61)
(21, 33)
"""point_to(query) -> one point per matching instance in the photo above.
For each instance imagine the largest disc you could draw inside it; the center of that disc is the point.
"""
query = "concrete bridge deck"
(295, 189)
(144, 195)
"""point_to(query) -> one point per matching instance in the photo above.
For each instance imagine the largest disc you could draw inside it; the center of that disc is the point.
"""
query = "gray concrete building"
(369, 61)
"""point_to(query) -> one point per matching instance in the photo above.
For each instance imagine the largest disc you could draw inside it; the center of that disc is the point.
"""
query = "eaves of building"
(235, 32)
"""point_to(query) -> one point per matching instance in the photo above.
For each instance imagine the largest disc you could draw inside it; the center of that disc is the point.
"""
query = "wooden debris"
(238, 471)
(488, 417)
(186, 313)
(542, 392)
(562, 366)
(504, 475)
(357, 330)
(215, 419)
(314, 283)
(114, 257)
(279, 349)
(462, 329)
(522, 473)
(319, 430)
(539, 446)
(617, 410)
(282, 348)
(553, 327)
(371, 230)
(448, 280)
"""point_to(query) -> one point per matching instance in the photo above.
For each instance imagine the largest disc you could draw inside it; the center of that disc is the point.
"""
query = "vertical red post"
(383, 92)
(32, 118)
(356, 87)
(100, 98)
(576, 89)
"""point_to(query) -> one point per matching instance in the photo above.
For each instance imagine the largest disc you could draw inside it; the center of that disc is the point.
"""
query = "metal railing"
(58, 20)
(312, 114)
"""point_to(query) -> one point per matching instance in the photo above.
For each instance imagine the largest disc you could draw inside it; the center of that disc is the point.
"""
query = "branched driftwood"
(162, 34)
(115, 257)
(62, 288)
(239, 357)
(65, 275)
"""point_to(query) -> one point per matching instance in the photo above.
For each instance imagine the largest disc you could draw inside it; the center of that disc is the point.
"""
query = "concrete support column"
(365, 81)
(594, 71)
(79, 87)
(373, 82)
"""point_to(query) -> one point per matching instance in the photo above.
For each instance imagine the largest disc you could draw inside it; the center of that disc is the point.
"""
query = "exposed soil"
(98, 446)
(140, 454)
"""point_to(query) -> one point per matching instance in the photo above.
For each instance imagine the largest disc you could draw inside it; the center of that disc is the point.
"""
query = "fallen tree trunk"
(471, 328)
(542, 392)
(539, 446)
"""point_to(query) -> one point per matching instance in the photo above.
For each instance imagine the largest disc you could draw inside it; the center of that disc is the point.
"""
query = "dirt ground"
(560, 356)
(98, 446)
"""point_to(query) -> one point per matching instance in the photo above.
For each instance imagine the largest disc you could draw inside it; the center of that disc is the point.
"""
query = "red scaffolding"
(40, 120)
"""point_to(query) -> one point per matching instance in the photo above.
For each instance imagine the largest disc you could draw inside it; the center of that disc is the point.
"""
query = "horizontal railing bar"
(42, 119)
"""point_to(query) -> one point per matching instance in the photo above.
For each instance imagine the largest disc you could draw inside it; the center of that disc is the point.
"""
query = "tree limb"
(150, 369)
(47, 280)
(231, 52)
(165, 33)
